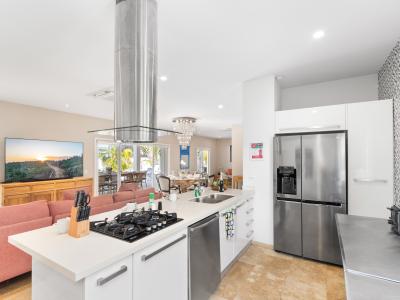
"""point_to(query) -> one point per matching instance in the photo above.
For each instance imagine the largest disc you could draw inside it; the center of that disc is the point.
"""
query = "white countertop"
(79, 258)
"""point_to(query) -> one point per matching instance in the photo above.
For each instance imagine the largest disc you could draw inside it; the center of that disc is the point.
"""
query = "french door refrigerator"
(310, 187)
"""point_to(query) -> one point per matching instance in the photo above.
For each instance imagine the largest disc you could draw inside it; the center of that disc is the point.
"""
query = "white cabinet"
(322, 118)
(161, 270)
(241, 227)
(227, 245)
(243, 220)
(113, 282)
(244, 225)
(370, 158)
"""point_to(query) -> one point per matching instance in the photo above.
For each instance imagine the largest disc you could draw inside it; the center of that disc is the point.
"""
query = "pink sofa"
(25, 217)
(13, 220)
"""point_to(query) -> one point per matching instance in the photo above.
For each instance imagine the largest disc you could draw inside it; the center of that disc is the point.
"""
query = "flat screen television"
(33, 160)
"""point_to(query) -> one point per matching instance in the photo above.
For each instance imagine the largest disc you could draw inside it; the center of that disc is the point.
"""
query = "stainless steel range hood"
(135, 83)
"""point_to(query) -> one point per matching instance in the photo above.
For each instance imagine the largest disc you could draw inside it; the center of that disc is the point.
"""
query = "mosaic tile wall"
(389, 88)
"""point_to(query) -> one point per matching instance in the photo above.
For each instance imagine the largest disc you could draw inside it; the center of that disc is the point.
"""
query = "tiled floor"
(260, 273)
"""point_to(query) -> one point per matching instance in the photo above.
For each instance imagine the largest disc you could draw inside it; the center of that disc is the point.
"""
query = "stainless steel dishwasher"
(204, 258)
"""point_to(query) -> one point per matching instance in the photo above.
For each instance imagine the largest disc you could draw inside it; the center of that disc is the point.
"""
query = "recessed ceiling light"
(220, 106)
(319, 34)
(67, 105)
(163, 78)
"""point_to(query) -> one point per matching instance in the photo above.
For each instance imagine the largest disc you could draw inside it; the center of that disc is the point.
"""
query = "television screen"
(30, 160)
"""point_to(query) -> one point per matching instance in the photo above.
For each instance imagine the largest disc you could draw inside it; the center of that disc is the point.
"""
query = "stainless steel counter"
(371, 257)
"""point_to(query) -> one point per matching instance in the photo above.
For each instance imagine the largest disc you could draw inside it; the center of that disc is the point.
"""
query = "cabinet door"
(113, 282)
(17, 199)
(370, 163)
(161, 270)
(322, 118)
(242, 231)
(226, 245)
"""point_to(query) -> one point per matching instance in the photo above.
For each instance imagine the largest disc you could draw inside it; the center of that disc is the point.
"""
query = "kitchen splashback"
(389, 88)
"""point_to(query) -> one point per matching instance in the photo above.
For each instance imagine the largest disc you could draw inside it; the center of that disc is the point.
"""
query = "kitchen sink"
(213, 198)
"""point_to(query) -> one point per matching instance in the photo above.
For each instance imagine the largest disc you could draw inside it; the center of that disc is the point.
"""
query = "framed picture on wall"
(184, 157)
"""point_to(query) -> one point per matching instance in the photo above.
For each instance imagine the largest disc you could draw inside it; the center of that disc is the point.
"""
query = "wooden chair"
(237, 182)
(164, 184)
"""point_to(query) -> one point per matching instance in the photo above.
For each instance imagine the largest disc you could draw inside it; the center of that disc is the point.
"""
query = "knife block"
(78, 229)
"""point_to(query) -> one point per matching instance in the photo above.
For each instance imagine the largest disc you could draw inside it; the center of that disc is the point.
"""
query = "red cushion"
(144, 193)
(100, 209)
(124, 196)
(60, 208)
(101, 200)
(14, 262)
(23, 212)
(131, 186)
(71, 194)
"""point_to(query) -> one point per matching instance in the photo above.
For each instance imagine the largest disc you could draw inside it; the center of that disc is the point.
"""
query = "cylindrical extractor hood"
(136, 70)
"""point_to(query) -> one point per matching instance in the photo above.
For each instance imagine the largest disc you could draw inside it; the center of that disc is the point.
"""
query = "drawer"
(83, 183)
(113, 282)
(42, 187)
(65, 185)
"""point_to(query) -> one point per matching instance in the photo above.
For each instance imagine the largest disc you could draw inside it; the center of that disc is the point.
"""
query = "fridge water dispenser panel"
(286, 180)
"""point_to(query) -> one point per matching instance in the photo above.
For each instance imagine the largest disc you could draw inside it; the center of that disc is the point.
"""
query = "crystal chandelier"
(185, 127)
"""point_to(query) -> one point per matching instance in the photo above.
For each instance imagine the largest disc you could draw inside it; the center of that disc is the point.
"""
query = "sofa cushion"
(144, 193)
(124, 196)
(60, 208)
(131, 186)
(23, 212)
(14, 262)
(61, 216)
(101, 200)
(71, 194)
(101, 209)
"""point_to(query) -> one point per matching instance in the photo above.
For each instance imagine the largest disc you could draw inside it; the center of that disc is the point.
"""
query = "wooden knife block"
(78, 229)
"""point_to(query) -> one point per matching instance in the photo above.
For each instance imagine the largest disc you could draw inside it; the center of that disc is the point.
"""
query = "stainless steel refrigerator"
(310, 187)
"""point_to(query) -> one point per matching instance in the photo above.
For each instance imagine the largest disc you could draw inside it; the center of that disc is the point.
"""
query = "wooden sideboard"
(50, 190)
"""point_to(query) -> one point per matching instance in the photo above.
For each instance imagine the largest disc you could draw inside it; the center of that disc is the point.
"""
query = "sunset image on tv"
(29, 160)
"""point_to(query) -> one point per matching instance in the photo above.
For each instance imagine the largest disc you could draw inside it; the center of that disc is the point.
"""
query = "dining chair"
(164, 184)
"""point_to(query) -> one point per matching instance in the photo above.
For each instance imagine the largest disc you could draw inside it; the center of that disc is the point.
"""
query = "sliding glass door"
(118, 163)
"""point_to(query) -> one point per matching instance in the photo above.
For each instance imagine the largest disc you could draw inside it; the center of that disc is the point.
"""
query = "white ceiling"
(54, 52)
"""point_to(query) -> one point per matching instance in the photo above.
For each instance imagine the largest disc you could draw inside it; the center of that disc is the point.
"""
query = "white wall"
(223, 155)
(259, 98)
(354, 89)
(196, 142)
(23, 121)
(237, 150)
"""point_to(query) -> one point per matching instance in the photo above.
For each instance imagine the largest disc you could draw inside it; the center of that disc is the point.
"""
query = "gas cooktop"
(132, 226)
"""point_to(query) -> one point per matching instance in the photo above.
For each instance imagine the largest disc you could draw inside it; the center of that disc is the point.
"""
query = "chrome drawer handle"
(102, 281)
(250, 210)
(250, 234)
(250, 222)
(147, 257)
(370, 180)
(240, 205)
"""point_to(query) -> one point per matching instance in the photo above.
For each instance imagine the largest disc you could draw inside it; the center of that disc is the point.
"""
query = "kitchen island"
(101, 267)
(371, 257)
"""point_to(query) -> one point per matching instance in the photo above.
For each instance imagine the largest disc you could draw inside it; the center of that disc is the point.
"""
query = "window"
(119, 162)
(203, 161)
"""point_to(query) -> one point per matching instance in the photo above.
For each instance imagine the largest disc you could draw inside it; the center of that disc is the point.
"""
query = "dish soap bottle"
(152, 204)
(197, 191)
(221, 183)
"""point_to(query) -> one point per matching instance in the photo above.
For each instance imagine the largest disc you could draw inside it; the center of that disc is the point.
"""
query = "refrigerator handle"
(319, 203)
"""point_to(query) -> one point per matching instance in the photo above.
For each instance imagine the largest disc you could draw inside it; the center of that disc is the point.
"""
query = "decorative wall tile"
(389, 88)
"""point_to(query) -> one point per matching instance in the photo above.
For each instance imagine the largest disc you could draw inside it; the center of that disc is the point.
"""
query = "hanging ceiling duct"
(135, 103)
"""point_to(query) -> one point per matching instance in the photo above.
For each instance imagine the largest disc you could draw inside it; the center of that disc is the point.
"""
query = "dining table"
(185, 181)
